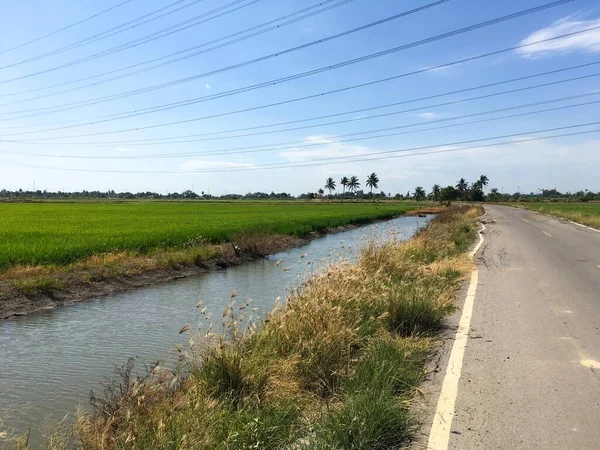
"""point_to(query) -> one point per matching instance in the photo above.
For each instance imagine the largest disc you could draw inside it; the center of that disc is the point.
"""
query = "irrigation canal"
(51, 359)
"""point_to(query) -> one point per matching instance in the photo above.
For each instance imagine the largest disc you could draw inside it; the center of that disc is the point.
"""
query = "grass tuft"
(37, 285)
(368, 419)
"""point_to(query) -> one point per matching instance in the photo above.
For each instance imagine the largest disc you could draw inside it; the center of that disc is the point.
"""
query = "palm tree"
(330, 185)
(483, 181)
(344, 182)
(353, 184)
(462, 187)
(435, 190)
(419, 193)
(372, 182)
(320, 192)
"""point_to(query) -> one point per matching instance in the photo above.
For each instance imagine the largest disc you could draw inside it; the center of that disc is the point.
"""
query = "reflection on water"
(50, 360)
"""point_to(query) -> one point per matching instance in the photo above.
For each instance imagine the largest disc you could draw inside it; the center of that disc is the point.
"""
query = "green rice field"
(61, 233)
(584, 213)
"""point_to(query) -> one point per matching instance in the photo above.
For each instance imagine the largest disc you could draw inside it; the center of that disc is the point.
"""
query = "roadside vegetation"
(583, 213)
(335, 366)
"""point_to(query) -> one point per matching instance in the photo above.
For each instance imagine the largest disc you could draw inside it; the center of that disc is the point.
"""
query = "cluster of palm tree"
(462, 191)
(351, 184)
(465, 190)
(420, 193)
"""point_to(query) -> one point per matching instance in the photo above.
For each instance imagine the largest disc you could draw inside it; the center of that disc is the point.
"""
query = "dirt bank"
(29, 289)
(80, 282)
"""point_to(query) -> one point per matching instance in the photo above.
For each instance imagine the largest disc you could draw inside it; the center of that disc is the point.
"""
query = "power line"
(297, 76)
(169, 141)
(194, 21)
(336, 140)
(365, 157)
(320, 161)
(512, 142)
(73, 105)
(325, 6)
(112, 117)
(321, 94)
(98, 14)
(154, 140)
(107, 33)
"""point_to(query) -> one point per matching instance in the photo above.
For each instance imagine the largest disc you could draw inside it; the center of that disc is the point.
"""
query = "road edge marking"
(560, 219)
(563, 219)
(583, 226)
(546, 233)
(439, 436)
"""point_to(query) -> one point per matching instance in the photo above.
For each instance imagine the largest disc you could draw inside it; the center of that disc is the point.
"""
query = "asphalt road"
(531, 369)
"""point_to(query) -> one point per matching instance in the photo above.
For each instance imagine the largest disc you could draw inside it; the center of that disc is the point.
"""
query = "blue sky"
(567, 163)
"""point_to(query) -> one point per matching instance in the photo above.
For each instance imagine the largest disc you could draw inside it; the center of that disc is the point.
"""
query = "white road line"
(547, 234)
(439, 435)
(584, 226)
(556, 217)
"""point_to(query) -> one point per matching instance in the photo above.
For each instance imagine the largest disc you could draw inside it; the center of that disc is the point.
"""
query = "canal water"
(51, 359)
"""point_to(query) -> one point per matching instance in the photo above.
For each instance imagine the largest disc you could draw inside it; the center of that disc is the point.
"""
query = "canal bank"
(52, 358)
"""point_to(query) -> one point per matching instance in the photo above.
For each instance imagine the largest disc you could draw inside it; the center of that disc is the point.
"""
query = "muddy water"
(49, 360)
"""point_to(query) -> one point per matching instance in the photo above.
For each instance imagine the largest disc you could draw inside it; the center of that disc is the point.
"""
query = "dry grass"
(33, 280)
(37, 285)
(576, 216)
(583, 213)
(333, 367)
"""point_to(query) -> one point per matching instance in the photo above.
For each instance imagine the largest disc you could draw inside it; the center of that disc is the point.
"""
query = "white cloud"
(428, 115)
(197, 164)
(529, 165)
(122, 149)
(587, 42)
(207, 86)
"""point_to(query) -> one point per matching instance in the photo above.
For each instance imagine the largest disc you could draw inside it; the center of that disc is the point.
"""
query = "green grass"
(373, 415)
(584, 213)
(62, 233)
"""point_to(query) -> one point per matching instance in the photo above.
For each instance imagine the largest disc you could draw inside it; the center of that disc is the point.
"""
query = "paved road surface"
(531, 370)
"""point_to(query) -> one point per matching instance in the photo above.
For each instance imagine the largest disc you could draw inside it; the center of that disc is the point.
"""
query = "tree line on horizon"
(462, 190)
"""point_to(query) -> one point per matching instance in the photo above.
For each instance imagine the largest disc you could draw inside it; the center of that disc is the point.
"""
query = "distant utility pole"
(33, 185)
(193, 188)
